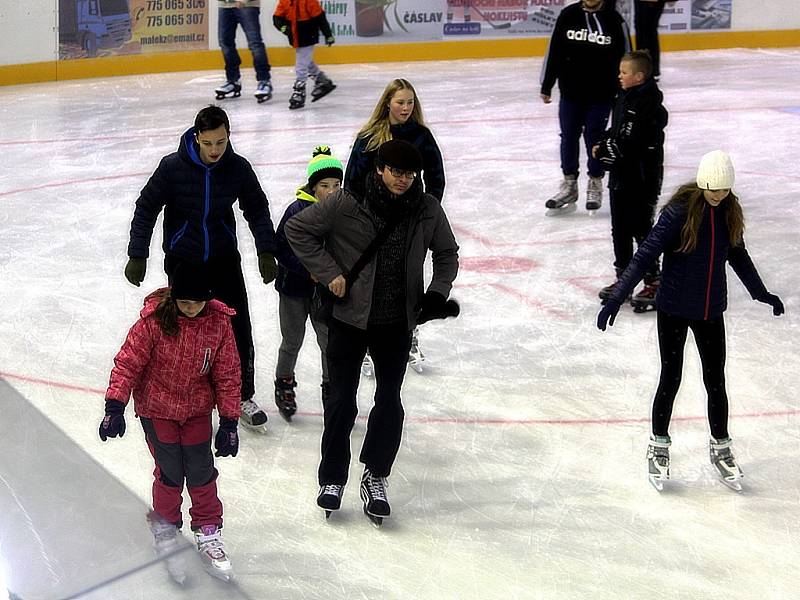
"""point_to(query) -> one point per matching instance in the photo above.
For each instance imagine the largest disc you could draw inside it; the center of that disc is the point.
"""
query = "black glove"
(113, 424)
(330, 41)
(226, 441)
(267, 267)
(435, 306)
(607, 314)
(135, 270)
(774, 302)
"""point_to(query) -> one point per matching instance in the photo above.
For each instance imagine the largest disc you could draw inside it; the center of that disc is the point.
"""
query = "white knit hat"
(715, 171)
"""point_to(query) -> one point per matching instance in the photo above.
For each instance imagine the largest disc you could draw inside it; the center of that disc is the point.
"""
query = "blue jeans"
(578, 118)
(248, 18)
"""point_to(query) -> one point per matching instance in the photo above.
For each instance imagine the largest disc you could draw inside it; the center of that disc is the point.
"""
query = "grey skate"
(229, 88)
(658, 460)
(719, 452)
(566, 198)
(594, 193)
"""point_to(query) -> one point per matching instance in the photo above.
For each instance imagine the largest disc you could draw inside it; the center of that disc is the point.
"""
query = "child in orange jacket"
(301, 21)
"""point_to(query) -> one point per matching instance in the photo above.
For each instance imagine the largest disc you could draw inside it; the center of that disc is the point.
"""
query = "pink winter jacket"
(180, 376)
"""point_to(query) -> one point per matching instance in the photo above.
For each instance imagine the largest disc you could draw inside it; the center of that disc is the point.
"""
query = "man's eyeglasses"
(401, 173)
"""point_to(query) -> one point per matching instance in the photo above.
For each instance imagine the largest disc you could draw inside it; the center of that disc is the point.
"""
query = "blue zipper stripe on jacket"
(207, 194)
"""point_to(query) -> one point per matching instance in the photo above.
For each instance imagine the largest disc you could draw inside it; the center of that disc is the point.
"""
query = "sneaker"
(567, 194)
(252, 416)
(167, 543)
(285, 398)
(330, 496)
(212, 551)
(373, 494)
(594, 193)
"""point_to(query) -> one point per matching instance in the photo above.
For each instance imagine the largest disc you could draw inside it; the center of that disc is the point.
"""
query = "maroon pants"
(182, 451)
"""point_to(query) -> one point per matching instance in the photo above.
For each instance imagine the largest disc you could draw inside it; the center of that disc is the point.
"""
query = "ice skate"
(212, 552)
(658, 460)
(367, 367)
(373, 495)
(298, 99)
(415, 355)
(594, 193)
(285, 397)
(168, 546)
(322, 87)
(263, 91)
(329, 498)
(722, 459)
(645, 300)
(231, 89)
(253, 417)
(566, 198)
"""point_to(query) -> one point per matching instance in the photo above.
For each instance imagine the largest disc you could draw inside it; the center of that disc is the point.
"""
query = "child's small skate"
(285, 398)
(329, 498)
(263, 91)
(212, 552)
(658, 460)
(298, 98)
(722, 459)
(565, 200)
(229, 88)
(645, 300)
(373, 495)
(168, 545)
(253, 417)
(322, 87)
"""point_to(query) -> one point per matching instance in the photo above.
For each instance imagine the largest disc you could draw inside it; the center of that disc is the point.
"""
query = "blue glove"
(774, 302)
(226, 441)
(607, 315)
(113, 424)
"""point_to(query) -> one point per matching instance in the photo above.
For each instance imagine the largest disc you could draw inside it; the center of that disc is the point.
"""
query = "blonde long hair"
(376, 130)
(692, 196)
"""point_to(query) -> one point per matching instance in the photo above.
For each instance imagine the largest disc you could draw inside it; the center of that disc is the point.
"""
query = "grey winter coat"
(329, 237)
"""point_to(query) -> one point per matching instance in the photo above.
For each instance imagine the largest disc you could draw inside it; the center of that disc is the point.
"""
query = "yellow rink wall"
(363, 53)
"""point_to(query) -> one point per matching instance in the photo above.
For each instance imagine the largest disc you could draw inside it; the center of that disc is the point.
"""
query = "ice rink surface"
(522, 469)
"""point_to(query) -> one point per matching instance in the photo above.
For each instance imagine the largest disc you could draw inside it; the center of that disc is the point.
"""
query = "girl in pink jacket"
(180, 361)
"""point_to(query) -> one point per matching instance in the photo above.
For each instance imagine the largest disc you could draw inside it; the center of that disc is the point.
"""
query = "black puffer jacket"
(361, 162)
(198, 205)
(633, 148)
(693, 284)
(584, 53)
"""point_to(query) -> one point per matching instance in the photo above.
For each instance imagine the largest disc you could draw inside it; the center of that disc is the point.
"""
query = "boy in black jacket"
(587, 44)
(633, 152)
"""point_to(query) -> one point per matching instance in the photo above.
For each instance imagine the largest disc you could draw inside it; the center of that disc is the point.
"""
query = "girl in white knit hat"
(698, 231)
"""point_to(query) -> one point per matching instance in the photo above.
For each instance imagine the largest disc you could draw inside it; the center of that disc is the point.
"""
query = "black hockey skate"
(329, 498)
(298, 99)
(263, 91)
(285, 397)
(645, 300)
(373, 495)
(230, 88)
(322, 87)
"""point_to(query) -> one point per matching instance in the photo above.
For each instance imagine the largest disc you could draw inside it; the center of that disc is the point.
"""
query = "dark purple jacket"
(293, 278)
(693, 284)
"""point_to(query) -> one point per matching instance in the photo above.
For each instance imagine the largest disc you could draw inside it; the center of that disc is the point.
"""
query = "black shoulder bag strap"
(370, 251)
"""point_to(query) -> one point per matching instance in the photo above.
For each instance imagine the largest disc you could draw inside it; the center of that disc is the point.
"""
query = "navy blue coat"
(693, 284)
(293, 278)
(198, 205)
(362, 162)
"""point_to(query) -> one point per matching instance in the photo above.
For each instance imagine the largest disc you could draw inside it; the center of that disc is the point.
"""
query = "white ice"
(522, 471)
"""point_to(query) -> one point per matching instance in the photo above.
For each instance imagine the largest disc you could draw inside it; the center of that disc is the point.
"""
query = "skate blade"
(564, 210)
(374, 519)
(417, 366)
(255, 428)
(226, 575)
(657, 481)
(321, 96)
(643, 308)
(734, 483)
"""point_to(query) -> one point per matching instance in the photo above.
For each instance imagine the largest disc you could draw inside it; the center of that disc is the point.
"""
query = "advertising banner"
(89, 28)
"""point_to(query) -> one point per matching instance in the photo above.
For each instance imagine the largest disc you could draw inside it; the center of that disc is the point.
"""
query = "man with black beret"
(377, 309)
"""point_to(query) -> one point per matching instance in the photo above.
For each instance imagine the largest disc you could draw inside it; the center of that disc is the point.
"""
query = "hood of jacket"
(153, 299)
(188, 150)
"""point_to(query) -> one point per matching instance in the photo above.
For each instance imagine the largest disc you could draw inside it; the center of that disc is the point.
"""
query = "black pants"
(578, 118)
(645, 20)
(631, 221)
(710, 339)
(347, 345)
(227, 285)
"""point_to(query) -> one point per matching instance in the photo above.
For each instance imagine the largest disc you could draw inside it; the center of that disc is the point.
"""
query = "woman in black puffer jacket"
(699, 230)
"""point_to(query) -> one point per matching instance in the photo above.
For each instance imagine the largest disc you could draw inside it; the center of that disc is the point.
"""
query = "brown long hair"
(376, 129)
(166, 312)
(692, 196)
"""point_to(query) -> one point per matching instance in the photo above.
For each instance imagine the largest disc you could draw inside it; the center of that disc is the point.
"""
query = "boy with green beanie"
(295, 284)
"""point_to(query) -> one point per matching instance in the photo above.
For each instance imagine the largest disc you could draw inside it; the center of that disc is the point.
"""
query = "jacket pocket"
(206, 361)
